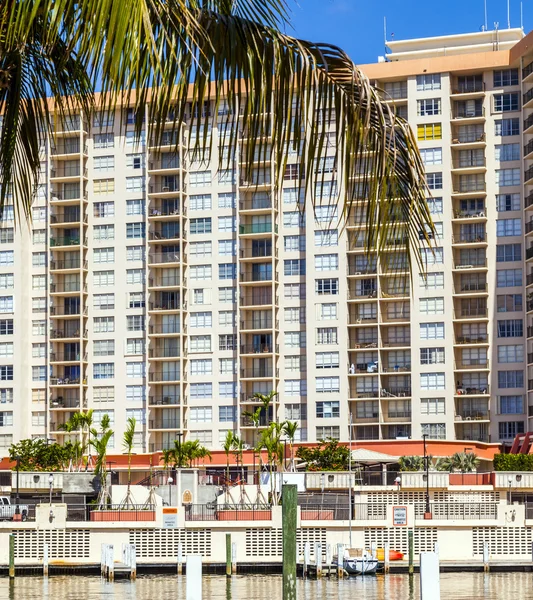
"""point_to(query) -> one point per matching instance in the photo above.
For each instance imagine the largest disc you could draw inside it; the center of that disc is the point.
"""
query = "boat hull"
(358, 566)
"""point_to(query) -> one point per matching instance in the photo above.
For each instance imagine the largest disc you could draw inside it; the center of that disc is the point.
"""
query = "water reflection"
(455, 586)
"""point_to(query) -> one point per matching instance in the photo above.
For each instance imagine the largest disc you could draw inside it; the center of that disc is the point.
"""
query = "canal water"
(454, 586)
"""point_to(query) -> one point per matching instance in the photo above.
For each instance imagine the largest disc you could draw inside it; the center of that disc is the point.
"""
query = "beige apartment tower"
(155, 286)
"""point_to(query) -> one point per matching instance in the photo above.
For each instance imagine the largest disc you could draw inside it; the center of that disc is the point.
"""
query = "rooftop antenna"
(486, 20)
(521, 16)
(385, 33)
(508, 14)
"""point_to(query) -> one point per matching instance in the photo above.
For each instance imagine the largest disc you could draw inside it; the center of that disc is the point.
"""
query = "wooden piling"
(11, 556)
(411, 552)
(486, 566)
(289, 520)
(228, 554)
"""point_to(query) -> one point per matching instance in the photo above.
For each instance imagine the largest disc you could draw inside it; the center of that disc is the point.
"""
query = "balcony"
(67, 217)
(527, 71)
(473, 364)
(395, 392)
(61, 403)
(68, 172)
(257, 251)
(474, 187)
(251, 277)
(527, 99)
(474, 139)
(472, 164)
(73, 287)
(67, 311)
(256, 203)
(66, 334)
(466, 112)
(472, 415)
(472, 339)
(258, 348)
(164, 424)
(528, 175)
(66, 356)
(164, 352)
(362, 293)
(471, 288)
(164, 400)
(164, 258)
(165, 189)
(470, 265)
(258, 324)
(67, 265)
(474, 312)
(472, 86)
(164, 376)
(355, 270)
(160, 235)
(66, 381)
(58, 242)
(169, 163)
(256, 228)
(258, 373)
(166, 329)
(161, 305)
(528, 124)
(471, 390)
(167, 209)
(257, 299)
(67, 147)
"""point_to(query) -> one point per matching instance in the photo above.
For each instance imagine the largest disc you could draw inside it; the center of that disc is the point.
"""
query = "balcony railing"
(258, 348)
(476, 415)
(472, 339)
(527, 96)
(468, 87)
(164, 376)
(474, 286)
(164, 400)
(257, 299)
(164, 352)
(69, 217)
(469, 163)
(164, 188)
(70, 263)
(165, 424)
(469, 138)
(61, 402)
(464, 112)
(65, 356)
(395, 392)
(257, 203)
(69, 287)
(64, 241)
(229, 512)
(163, 258)
(258, 372)
(159, 235)
(470, 390)
(166, 210)
(459, 511)
(473, 363)
(265, 323)
(166, 328)
(528, 122)
(257, 228)
(261, 276)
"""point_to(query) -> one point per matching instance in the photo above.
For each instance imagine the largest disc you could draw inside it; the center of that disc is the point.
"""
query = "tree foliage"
(37, 455)
(329, 455)
(513, 462)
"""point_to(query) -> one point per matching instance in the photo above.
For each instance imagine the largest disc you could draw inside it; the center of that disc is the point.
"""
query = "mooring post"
(429, 576)
(102, 559)
(318, 560)
(111, 562)
(329, 558)
(11, 556)
(289, 519)
(411, 552)
(228, 554)
(180, 559)
(486, 566)
(133, 562)
(386, 557)
(340, 561)
(233, 558)
(436, 548)
(307, 558)
(45, 560)
(193, 577)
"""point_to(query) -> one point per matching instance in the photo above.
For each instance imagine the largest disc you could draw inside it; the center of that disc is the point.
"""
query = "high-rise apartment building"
(153, 285)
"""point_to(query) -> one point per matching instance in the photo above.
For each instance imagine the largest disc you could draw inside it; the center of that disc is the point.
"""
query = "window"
(428, 107)
(432, 256)
(327, 286)
(508, 277)
(201, 319)
(432, 356)
(327, 360)
(7, 281)
(507, 127)
(227, 318)
(327, 410)
(38, 282)
(227, 341)
(103, 186)
(199, 272)
(200, 225)
(38, 305)
(294, 243)
(327, 384)
(37, 327)
(432, 306)
(510, 379)
(508, 227)
(431, 156)
(505, 77)
(104, 301)
(134, 253)
(103, 278)
(200, 202)
(6, 304)
(227, 271)
(7, 235)
(506, 102)
(136, 300)
(432, 406)
(104, 232)
(38, 259)
(104, 348)
(103, 255)
(328, 433)
(325, 214)
(505, 152)
(135, 369)
(135, 230)
(509, 302)
(38, 213)
(103, 140)
(103, 163)
(132, 139)
(226, 177)
(227, 366)
(201, 390)
(103, 370)
(134, 276)
(227, 414)
(507, 202)
(294, 267)
(511, 328)
(396, 89)
(294, 290)
(432, 331)
(200, 248)
(134, 207)
(38, 350)
(327, 237)
(227, 295)
(429, 132)
(39, 236)
(6, 395)
(295, 339)
(432, 381)
(227, 224)
(296, 412)
(508, 430)
(435, 431)
(202, 366)
(6, 327)
(293, 219)
(134, 185)
(227, 389)
(426, 83)
(327, 335)
(508, 252)
(511, 405)
(37, 373)
(135, 323)
(432, 281)
(327, 311)
(326, 262)
(200, 343)
(510, 354)
(199, 178)
(135, 393)
(134, 161)
(135, 346)
(227, 200)
(103, 118)
(507, 177)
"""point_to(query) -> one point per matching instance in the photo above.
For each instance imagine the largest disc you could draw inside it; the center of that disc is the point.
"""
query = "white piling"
(45, 560)
(110, 567)
(486, 566)
(193, 577)
(307, 558)
(180, 559)
(318, 560)
(233, 558)
(329, 558)
(429, 576)
(436, 548)
(373, 549)
(340, 561)
(386, 557)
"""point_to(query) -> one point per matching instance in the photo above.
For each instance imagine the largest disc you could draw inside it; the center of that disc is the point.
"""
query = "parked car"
(7, 510)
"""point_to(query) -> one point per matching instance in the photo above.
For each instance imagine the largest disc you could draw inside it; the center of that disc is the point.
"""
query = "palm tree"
(127, 446)
(265, 399)
(254, 416)
(228, 446)
(289, 429)
(167, 457)
(100, 442)
(193, 52)
(411, 463)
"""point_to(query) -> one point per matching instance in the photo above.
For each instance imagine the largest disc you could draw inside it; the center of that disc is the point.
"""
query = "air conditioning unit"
(166, 188)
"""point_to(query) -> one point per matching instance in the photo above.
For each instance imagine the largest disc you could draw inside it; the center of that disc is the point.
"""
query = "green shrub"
(513, 462)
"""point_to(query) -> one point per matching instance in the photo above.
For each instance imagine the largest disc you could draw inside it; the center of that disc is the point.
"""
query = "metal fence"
(458, 511)
(228, 512)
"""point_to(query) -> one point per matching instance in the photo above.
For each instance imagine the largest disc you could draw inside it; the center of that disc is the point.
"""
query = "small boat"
(393, 555)
(359, 562)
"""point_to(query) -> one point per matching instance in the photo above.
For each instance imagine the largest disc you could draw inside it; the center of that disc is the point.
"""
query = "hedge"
(513, 462)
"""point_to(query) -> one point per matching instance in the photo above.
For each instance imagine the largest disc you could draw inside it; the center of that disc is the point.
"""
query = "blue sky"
(357, 25)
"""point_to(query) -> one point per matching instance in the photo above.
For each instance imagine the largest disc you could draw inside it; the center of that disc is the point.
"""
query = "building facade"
(166, 289)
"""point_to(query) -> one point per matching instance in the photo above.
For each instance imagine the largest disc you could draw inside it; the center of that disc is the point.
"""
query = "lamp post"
(170, 481)
(51, 484)
(510, 482)
(179, 435)
(398, 483)
(17, 505)
(427, 514)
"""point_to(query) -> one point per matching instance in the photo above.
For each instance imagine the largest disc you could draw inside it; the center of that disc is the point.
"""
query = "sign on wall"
(399, 516)
(170, 517)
